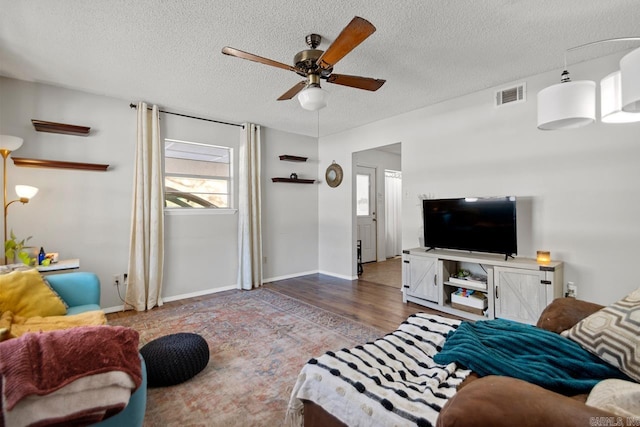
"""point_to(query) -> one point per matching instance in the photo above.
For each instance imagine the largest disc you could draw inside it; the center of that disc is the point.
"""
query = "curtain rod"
(132, 105)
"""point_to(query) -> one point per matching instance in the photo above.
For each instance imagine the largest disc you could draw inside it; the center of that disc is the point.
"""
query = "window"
(197, 175)
(362, 195)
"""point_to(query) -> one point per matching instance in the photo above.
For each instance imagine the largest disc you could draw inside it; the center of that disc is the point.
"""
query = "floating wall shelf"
(42, 126)
(56, 164)
(295, 181)
(289, 158)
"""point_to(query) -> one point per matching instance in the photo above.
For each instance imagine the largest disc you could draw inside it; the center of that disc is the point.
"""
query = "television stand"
(515, 288)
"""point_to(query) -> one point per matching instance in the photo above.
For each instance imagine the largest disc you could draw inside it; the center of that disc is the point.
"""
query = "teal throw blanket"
(503, 347)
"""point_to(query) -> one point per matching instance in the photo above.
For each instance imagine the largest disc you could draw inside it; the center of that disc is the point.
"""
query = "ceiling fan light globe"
(313, 98)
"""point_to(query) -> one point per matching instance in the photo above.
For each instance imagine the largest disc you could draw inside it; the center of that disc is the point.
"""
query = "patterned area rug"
(259, 341)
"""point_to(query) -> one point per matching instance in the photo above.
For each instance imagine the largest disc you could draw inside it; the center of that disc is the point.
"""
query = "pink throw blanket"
(39, 364)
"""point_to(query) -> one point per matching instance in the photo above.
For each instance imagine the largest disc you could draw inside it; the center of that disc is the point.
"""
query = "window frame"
(231, 196)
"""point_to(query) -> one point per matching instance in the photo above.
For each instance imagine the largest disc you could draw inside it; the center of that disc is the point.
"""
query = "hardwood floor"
(388, 272)
(370, 303)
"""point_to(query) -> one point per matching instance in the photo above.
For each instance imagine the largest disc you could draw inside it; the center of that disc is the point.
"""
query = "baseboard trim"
(178, 297)
(289, 276)
(339, 276)
(200, 293)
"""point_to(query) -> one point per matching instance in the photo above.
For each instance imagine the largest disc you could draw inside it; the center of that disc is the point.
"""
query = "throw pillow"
(617, 396)
(612, 334)
(25, 293)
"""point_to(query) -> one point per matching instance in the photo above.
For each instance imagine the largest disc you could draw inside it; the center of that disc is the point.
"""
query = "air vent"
(511, 95)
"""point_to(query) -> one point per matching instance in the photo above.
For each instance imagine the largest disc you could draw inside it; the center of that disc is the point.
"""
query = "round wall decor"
(333, 175)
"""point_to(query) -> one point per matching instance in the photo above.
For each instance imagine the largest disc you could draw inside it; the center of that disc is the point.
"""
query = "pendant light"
(570, 105)
(611, 101)
(630, 81)
(567, 105)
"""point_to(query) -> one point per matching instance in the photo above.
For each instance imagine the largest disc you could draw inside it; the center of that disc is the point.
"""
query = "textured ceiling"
(168, 51)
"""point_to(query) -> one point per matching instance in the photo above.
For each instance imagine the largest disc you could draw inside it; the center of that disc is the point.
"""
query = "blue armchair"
(81, 292)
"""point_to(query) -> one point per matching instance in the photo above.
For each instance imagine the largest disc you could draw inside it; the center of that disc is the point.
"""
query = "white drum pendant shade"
(611, 101)
(630, 81)
(567, 105)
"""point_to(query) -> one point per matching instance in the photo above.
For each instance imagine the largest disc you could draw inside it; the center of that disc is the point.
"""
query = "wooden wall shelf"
(52, 127)
(290, 158)
(56, 164)
(295, 181)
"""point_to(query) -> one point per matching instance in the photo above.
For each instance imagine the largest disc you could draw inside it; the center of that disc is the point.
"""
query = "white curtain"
(146, 250)
(393, 212)
(249, 210)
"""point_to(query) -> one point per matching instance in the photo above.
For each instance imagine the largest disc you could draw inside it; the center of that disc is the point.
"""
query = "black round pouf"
(174, 358)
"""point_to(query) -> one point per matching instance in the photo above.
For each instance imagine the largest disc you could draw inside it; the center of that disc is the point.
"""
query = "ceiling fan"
(315, 64)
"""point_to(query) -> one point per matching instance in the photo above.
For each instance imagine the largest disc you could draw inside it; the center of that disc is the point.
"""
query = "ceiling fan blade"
(366, 83)
(251, 57)
(351, 36)
(293, 91)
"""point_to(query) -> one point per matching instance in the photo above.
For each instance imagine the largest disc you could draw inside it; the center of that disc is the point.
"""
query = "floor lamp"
(8, 144)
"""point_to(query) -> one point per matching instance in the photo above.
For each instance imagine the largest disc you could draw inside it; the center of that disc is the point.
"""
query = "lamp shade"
(11, 143)
(313, 98)
(611, 101)
(26, 191)
(630, 81)
(567, 105)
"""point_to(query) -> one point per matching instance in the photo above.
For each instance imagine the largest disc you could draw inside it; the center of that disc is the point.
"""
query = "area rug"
(259, 341)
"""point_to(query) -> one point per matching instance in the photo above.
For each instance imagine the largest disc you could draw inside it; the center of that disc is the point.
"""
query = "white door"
(366, 211)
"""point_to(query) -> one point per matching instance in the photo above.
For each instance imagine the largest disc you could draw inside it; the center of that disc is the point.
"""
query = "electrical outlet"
(116, 280)
(572, 290)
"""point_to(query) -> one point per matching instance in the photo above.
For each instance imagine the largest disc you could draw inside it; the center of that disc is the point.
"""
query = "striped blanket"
(390, 382)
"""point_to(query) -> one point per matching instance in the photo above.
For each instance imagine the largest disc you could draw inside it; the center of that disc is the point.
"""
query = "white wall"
(80, 214)
(290, 211)
(380, 160)
(86, 215)
(201, 247)
(582, 186)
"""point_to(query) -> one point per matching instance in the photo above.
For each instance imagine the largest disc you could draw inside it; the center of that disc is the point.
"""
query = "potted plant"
(15, 250)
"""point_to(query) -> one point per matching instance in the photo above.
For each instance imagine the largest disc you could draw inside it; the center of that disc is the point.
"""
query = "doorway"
(379, 212)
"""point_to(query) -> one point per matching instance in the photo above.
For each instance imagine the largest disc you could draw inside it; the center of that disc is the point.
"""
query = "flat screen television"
(471, 224)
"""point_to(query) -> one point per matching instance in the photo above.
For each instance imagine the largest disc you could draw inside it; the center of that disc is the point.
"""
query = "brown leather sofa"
(504, 401)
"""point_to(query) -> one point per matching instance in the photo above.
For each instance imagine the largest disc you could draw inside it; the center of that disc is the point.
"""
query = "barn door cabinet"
(522, 294)
(420, 278)
(516, 289)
